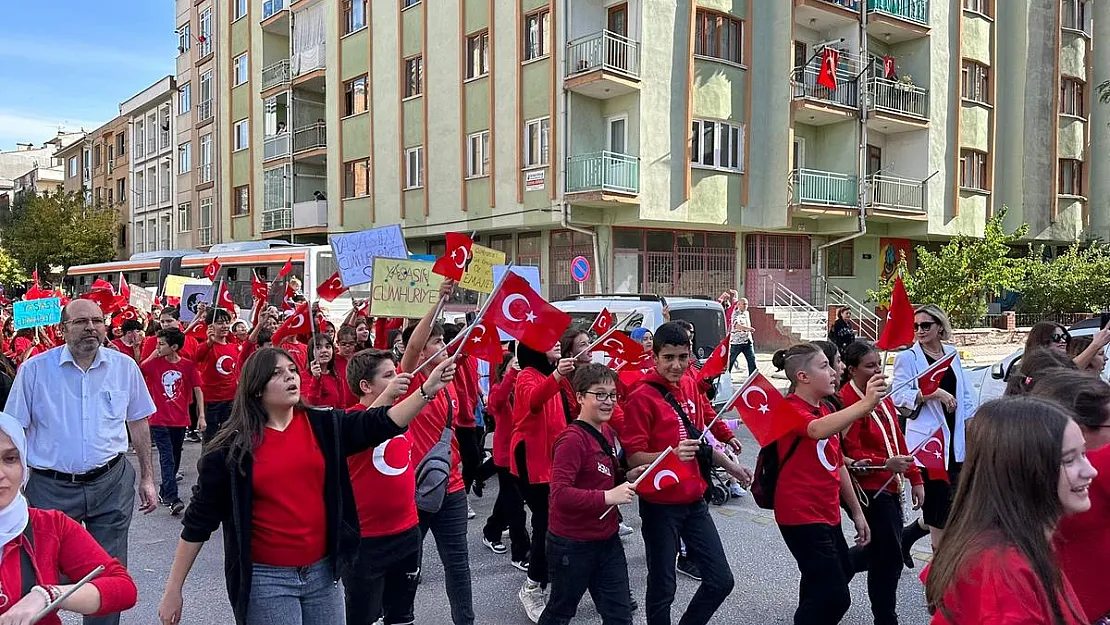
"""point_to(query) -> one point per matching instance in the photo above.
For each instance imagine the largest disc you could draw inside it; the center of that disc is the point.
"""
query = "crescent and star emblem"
(477, 334)
(529, 316)
(614, 344)
(454, 256)
(662, 474)
(763, 407)
(297, 322)
(220, 365)
(382, 465)
(822, 457)
(939, 452)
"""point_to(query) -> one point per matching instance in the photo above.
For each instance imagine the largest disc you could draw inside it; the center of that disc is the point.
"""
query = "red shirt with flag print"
(876, 438)
(384, 481)
(808, 488)
(219, 370)
(581, 473)
(426, 428)
(171, 385)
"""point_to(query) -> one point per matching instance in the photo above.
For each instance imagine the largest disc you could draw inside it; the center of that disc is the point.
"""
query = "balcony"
(824, 188)
(271, 8)
(311, 137)
(896, 194)
(603, 173)
(822, 15)
(275, 75)
(205, 170)
(310, 214)
(276, 146)
(603, 65)
(204, 111)
(897, 106)
(277, 219)
(818, 105)
(895, 21)
(308, 60)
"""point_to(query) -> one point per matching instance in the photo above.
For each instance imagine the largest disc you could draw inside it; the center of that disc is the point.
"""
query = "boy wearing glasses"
(583, 552)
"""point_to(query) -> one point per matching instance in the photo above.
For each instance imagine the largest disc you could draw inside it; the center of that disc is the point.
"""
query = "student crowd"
(331, 460)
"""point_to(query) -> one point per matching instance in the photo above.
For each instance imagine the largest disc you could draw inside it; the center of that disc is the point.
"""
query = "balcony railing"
(824, 188)
(847, 4)
(603, 171)
(204, 110)
(310, 214)
(165, 195)
(846, 92)
(910, 10)
(604, 50)
(897, 193)
(204, 235)
(896, 96)
(205, 172)
(269, 7)
(310, 137)
(308, 59)
(277, 219)
(275, 75)
(151, 197)
(276, 146)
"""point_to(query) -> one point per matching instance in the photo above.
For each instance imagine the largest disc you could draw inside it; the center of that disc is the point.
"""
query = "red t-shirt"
(124, 348)
(323, 391)
(299, 352)
(188, 350)
(426, 428)
(876, 438)
(349, 398)
(219, 370)
(384, 481)
(171, 386)
(1083, 542)
(808, 489)
(22, 343)
(289, 525)
(997, 586)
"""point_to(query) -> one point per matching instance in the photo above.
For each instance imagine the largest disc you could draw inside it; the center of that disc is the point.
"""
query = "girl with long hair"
(1051, 335)
(1033, 364)
(1079, 346)
(1026, 469)
(276, 478)
(321, 383)
(508, 509)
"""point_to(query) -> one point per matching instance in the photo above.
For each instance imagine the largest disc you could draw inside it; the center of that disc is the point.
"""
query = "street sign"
(580, 269)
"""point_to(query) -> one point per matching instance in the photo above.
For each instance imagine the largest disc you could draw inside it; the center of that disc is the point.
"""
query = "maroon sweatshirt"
(580, 474)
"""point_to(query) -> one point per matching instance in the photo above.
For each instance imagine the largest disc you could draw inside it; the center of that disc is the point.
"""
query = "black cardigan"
(223, 495)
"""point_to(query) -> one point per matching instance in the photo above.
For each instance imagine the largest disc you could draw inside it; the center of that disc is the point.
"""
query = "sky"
(71, 63)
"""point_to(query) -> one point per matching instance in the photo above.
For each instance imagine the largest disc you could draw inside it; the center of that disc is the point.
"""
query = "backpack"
(434, 471)
(767, 469)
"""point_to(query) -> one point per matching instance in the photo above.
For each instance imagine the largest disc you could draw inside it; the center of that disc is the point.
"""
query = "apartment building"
(111, 175)
(198, 211)
(153, 174)
(791, 149)
(76, 160)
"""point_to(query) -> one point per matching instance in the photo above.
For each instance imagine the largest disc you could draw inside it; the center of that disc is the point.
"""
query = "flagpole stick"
(55, 604)
(728, 404)
(930, 369)
(895, 475)
(654, 463)
(602, 338)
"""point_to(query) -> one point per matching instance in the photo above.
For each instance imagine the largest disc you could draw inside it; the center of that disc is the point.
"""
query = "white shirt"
(76, 421)
(744, 318)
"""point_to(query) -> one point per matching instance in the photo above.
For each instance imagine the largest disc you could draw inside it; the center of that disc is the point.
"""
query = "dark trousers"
(735, 349)
(168, 440)
(382, 582)
(470, 451)
(449, 528)
(508, 511)
(882, 557)
(598, 566)
(663, 526)
(537, 497)
(215, 414)
(822, 556)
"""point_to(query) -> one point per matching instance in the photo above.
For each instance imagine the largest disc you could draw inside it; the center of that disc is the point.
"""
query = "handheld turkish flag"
(212, 268)
(223, 299)
(829, 60)
(604, 322)
(484, 344)
(888, 67)
(287, 301)
(930, 454)
(199, 332)
(717, 362)
(362, 309)
(622, 349)
(666, 472)
(259, 289)
(124, 288)
(331, 288)
(898, 331)
(104, 285)
(929, 380)
(523, 314)
(764, 411)
(300, 324)
(453, 263)
(286, 269)
(35, 292)
(35, 276)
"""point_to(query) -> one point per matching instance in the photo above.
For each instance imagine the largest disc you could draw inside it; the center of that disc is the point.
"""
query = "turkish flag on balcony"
(888, 67)
(829, 60)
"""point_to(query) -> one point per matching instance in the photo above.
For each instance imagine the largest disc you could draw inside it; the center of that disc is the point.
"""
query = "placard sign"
(355, 252)
(36, 313)
(479, 274)
(175, 284)
(403, 288)
(142, 298)
(192, 295)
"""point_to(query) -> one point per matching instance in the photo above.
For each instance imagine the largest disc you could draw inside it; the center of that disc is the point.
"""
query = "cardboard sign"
(479, 274)
(175, 284)
(355, 252)
(403, 288)
(192, 295)
(531, 274)
(36, 313)
(142, 298)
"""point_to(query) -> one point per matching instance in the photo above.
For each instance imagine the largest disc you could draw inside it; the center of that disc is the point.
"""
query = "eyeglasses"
(346, 343)
(604, 396)
(1060, 338)
(924, 326)
(84, 321)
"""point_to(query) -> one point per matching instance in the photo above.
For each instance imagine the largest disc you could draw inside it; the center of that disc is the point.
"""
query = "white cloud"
(69, 54)
(17, 127)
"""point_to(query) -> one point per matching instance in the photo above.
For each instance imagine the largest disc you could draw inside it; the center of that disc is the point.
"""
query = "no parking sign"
(580, 269)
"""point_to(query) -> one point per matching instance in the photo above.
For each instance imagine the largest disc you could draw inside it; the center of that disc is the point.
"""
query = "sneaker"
(521, 565)
(470, 514)
(533, 601)
(497, 547)
(687, 567)
(632, 605)
(192, 436)
(176, 508)
(736, 490)
(623, 529)
(180, 476)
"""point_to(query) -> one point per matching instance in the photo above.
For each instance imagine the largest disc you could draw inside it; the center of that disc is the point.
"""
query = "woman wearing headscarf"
(42, 546)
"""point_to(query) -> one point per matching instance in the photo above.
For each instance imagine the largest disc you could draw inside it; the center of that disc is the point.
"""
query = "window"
(121, 190)
(477, 55)
(205, 105)
(206, 158)
(239, 9)
(73, 167)
(151, 186)
(184, 157)
(239, 69)
(165, 127)
(204, 232)
(414, 167)
(409, 3)
(139, 189)
(205, 37)
(121, 143)
(184, 99)
(166, 231)
(537, 134)
(718, 36)
(1076, 15)
(184, 219)
(355, 101)
(242, 139)
(975, 79)
(840, 261)
(184, 39)
(164, 190)
(96, 157)
(242, 197)
(719, 145)
(152, 133)
(356, 178)
(414, 76)
(1071, 97)
(982, 7)
(973, 170)
(477, 154)
(537, 35)
(354, 15)
(140, 138)
(1071, 177)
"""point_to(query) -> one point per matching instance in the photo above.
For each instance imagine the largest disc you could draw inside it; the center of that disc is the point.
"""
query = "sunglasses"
(924, 326)
(1060, 338)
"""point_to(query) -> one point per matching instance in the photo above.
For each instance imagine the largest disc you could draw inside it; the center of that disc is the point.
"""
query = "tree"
(60, 229)
(1075, 281)
(11, 274)
(966, 271)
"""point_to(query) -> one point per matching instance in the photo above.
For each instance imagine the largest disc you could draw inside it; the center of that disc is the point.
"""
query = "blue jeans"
(306, 595)
(449, 527)
(735, 349)
(215, 413)
(168, 440)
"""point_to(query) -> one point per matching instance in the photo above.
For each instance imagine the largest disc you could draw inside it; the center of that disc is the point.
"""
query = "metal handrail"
(276, 74)
(603, 171)
(603, 50)
(897, 97)
(910, 10)
(796, 309)
(310, 137)
(888, 191)
(868, 322)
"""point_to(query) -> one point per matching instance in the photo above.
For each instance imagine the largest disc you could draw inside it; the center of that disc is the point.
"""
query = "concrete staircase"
(799, 322)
